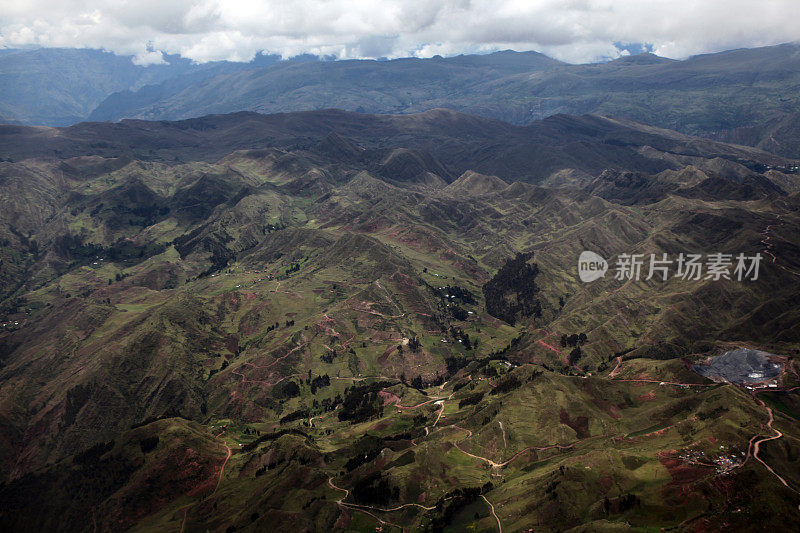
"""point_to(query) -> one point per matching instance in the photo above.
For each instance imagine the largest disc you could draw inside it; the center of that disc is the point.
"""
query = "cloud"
(571, 30)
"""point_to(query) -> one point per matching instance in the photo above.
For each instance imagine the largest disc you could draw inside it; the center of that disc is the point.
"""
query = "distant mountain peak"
(646, 58)
(338, 147)
(472, 183)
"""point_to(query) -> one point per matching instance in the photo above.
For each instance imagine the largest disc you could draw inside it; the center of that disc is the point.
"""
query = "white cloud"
(572, 30)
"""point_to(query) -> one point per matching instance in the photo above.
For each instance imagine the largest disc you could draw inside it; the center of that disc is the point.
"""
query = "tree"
(512, 292)
(353, 363)
(575, 355)
(414, 344)
(289, 389)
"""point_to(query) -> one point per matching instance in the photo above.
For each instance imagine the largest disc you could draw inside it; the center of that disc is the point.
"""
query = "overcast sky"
(570, 30)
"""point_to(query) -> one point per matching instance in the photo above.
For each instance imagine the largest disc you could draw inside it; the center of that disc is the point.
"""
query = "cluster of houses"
(269, 277)
(789, 169)
(763, 385)
(723, 463)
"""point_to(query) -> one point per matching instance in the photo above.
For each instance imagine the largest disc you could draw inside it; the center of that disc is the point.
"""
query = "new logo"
(591, 266)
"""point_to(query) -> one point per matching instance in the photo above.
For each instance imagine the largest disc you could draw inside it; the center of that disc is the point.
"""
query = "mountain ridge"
(517, 87)
(643, 89)
(532, 152)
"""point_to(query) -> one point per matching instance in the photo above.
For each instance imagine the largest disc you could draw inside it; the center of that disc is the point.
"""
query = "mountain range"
(62, 86)
(703, 95)
(328, 320)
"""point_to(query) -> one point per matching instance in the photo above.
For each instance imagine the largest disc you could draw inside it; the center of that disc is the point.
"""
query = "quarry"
(742, 366)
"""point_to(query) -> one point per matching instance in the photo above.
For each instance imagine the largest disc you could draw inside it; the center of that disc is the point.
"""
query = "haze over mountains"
(715, 92)
(62, 86)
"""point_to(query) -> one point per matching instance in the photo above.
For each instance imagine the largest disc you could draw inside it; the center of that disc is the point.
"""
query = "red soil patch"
(388, 398)
(550, 347)
(680, 490)
(380, 426)
(385, 356)
(382, 336)
(647, 396)
(186, 472)
(232, 344)
(612, 410)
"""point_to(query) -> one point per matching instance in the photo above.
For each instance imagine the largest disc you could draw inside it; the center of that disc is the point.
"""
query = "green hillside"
(330, 321)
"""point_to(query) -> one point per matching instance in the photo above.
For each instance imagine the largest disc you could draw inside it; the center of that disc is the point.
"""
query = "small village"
(762, 385)
(10, 324)
(723, 463)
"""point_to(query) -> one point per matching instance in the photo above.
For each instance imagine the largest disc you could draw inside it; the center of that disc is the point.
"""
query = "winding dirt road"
(222, 468)
(354, 507)
(499, 525)
(238, 372)
(755, 444)
(616, 368)
(497, 465)
(766, 241)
